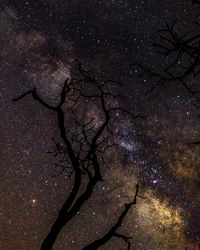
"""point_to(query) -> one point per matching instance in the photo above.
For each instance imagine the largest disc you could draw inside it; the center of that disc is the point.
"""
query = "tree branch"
(113, 231)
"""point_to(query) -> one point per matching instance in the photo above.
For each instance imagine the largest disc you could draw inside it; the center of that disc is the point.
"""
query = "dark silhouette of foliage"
(83, 149)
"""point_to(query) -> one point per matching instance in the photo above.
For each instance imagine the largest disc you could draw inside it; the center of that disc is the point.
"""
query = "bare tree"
(183, 53)
(83, 148)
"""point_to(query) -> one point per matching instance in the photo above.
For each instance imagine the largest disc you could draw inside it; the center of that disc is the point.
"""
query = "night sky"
(38, 45)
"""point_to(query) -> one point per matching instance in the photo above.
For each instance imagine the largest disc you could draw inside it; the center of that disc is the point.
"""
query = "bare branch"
(113, 231)
(184, 50)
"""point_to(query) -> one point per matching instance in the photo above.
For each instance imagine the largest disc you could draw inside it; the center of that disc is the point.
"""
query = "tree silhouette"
(82, 151)
(183, 53)
(182, 60)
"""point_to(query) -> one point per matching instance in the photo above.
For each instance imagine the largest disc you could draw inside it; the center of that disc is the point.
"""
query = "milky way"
(39, 42)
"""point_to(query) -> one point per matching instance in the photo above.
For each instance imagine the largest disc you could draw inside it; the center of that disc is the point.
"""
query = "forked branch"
(113, 230)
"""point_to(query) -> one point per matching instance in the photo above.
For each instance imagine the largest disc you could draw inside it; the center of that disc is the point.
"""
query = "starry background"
(39, 42)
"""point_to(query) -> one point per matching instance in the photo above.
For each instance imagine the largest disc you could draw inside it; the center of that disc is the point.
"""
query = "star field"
(39, 42)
